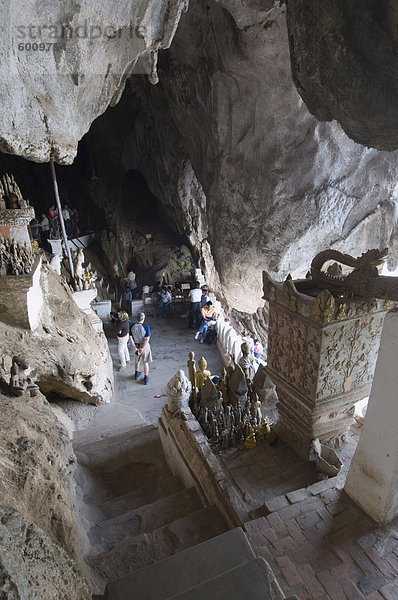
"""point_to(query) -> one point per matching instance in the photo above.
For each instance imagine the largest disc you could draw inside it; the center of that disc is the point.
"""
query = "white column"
(372, 480)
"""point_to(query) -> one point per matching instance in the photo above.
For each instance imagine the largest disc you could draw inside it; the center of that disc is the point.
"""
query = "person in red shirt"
(52, 218)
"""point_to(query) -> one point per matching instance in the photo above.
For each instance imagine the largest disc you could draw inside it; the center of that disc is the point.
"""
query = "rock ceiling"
(224, 140)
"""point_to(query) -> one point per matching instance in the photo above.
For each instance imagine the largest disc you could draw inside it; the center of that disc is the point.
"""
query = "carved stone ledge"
(16, 216)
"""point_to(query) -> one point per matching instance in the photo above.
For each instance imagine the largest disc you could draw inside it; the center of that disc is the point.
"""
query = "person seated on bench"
(165, 304)
(209, 316)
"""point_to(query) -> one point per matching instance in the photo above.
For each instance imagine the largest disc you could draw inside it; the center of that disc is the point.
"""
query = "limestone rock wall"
(41, 545)
(66, 355)
(344, 65)
(241, 168)
(65, 62)
(240, 165)
(279, 185)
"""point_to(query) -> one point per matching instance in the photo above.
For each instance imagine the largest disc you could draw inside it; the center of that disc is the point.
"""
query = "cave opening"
(133, 229)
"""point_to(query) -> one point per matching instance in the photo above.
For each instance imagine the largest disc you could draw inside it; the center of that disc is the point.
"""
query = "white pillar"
(372, 480)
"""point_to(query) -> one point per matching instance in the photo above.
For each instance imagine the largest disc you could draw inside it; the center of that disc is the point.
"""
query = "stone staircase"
(221, 568)
(150, 538)
(137, 512)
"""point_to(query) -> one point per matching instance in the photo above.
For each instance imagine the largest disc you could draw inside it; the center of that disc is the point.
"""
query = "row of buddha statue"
(227, 407)
(10, 194)
(15, 258)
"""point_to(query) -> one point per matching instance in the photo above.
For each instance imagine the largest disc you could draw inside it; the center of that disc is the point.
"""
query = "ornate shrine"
(323, 346)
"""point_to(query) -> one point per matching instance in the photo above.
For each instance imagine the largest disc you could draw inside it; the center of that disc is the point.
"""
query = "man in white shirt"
(164, 305)
(194, 315)
(67, 221)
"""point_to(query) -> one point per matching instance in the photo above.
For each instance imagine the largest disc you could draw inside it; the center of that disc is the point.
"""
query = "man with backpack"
(139, 338)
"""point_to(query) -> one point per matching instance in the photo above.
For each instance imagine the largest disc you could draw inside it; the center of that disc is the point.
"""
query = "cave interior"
(264, 133)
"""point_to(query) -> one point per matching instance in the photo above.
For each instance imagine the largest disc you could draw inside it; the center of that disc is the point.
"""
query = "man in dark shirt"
(123, 338)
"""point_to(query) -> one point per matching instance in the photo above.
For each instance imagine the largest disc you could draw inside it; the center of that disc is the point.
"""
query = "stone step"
(144, 549)
(108, 420)
(132, 477)
(146, 518)
(249, 580)
(144, 495)
(113, 441)
(122, 464)
(184, 570)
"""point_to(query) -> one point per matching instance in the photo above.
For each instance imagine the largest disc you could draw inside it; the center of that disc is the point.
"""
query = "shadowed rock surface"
(344, 63)
(41, 543)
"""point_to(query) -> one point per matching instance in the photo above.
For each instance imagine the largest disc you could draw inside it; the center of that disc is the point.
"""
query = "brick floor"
(319, 544)
(334, 552)
(343, 565)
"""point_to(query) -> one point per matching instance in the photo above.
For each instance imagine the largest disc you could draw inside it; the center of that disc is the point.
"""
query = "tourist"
(140, 335)
(156, 287)
(114, 318)
(165, 304)
(67, 222)
(35, 229)
(75, 221)
(194, 315)
(209, 317)
(131, 286)
(258, 348)
(45, 231)
(205, 295)
(123, 338)
(52, 219)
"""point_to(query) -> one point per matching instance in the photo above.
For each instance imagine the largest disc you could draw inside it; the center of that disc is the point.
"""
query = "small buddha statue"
(18, 380)
(192, 370)
(202, 374)
(250, 441)
(263, 428)
(246, 362)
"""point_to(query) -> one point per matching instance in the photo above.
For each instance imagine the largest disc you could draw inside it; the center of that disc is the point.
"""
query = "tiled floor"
(320, 545)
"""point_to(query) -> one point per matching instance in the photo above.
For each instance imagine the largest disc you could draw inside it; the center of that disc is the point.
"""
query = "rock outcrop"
(65, 63)
(66, 355)
(41, 543)
(240, 167)
(345, 66)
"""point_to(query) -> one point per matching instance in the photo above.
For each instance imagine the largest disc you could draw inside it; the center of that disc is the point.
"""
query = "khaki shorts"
(146, 356)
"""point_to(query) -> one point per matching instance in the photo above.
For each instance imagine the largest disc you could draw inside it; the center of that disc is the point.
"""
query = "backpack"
(211, 337)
